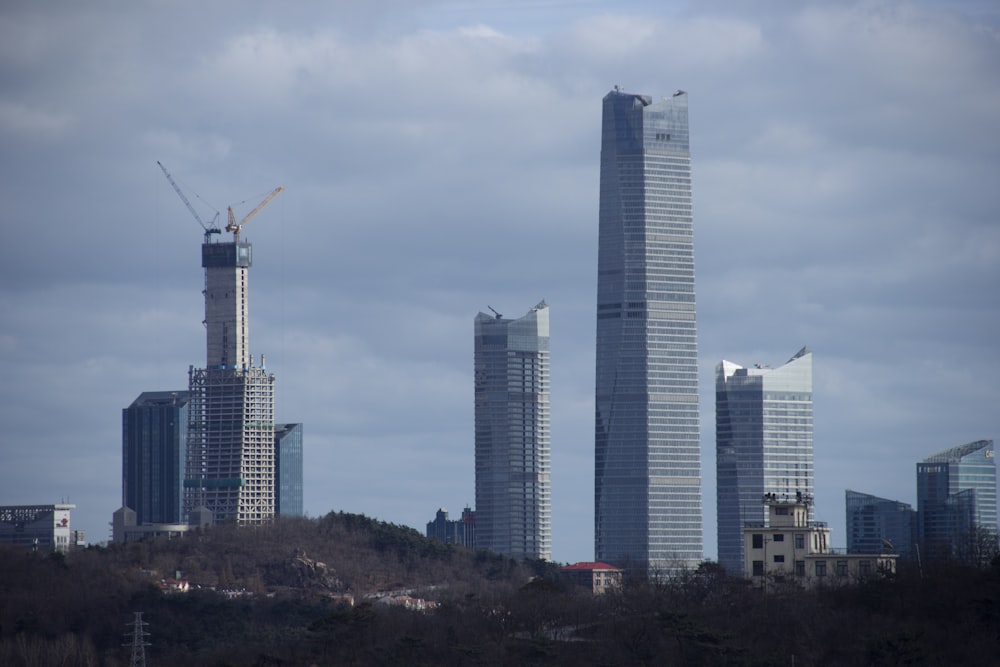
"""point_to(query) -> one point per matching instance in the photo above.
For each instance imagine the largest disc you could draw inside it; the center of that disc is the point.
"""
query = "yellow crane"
(235, 227)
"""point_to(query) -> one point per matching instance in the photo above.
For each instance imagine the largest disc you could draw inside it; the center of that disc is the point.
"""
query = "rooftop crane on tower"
(235, 227)
(209, 229)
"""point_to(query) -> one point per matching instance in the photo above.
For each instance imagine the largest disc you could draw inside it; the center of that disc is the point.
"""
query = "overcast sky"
(442, 157)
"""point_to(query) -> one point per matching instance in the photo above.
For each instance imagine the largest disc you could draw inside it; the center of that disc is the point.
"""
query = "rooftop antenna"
(499, 316)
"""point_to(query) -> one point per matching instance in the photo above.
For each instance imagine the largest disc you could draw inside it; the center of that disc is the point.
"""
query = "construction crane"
(209, 229)
(235, 227)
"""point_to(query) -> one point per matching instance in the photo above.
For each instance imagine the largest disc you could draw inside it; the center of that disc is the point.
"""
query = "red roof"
(589, 566)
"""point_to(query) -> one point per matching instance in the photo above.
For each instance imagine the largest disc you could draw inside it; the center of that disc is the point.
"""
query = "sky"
(440, 158)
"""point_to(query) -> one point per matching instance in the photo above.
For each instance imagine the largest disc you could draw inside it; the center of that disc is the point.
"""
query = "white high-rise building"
(513, 479)
(763, 443)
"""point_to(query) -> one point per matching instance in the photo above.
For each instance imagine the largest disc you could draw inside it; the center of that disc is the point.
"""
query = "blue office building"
(154, 443)
(957, 500)
(647, 486)
(879, 525)
(288, 469)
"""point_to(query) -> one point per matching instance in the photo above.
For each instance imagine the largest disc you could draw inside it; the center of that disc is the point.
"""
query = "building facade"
(154, 448)
(790, 549)
(512, 433)
(597, 577)
(460, 532)
(230, 468)
(957, 501)
(874, 524)
(763, 444)
(647, 486)
(43, 528)
(288, 470)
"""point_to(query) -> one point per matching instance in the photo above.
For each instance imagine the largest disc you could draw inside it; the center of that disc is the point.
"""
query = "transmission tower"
(138, 641)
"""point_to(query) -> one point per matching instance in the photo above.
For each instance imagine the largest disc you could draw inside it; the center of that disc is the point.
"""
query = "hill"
(281, 595)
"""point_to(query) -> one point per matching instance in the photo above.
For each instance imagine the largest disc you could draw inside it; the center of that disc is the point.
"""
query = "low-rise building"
(598, 577)
(791, 549)
(37, 527)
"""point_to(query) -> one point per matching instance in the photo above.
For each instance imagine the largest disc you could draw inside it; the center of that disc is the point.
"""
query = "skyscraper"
(288, 470)
(513, 502)
(647, 487)
(230, 463)
(957, 500)
(154, 445)
(763, 444)
(877, 525)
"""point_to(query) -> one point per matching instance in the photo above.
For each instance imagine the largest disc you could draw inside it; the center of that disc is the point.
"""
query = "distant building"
(37, 527)
(957, 500)
(877, 524)
(154, 447)
(598, 577)
(647, 446)
(126, 528)
(512, 434)
(461, 532)
(763, 444)
(288, 469)
(788, 548)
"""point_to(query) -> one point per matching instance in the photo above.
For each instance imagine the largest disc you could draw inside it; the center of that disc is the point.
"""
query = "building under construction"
(230, 467)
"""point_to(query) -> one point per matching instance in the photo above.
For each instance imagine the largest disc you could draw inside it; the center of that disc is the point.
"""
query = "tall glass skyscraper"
(154, 446)
(956, 496)
(513, 485)
(763, 444)
(288, 470)
(647, 486)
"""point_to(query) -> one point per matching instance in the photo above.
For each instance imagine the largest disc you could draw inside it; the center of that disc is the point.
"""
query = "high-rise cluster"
(212, 454)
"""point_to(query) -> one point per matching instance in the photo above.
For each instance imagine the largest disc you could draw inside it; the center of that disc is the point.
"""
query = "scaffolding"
(230, 449)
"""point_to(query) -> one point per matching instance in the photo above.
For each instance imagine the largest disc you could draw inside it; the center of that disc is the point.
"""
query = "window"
(758, 568)
(779, 558)
(841, 568)
(779, 537)
(821, 568)
(781, 511)
(800, 541)
(758, 540)
(800, 568)
(864, 568)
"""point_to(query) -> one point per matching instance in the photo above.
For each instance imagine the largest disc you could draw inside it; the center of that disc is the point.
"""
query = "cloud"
(442, 157)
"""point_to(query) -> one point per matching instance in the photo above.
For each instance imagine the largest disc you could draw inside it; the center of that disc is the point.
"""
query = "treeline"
(75, 610)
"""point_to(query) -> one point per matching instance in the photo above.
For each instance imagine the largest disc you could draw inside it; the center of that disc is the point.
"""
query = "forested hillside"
(278, 595)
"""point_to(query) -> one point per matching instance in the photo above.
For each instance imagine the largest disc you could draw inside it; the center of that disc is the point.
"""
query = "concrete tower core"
(230, 462)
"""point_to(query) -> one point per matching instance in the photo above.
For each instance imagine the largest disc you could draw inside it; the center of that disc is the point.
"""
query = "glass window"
(800, 541)
(779, 558)
(800, 568)
(821, 568)
(758, 540)
(841, 568)
(779, 537)
(758, 568)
